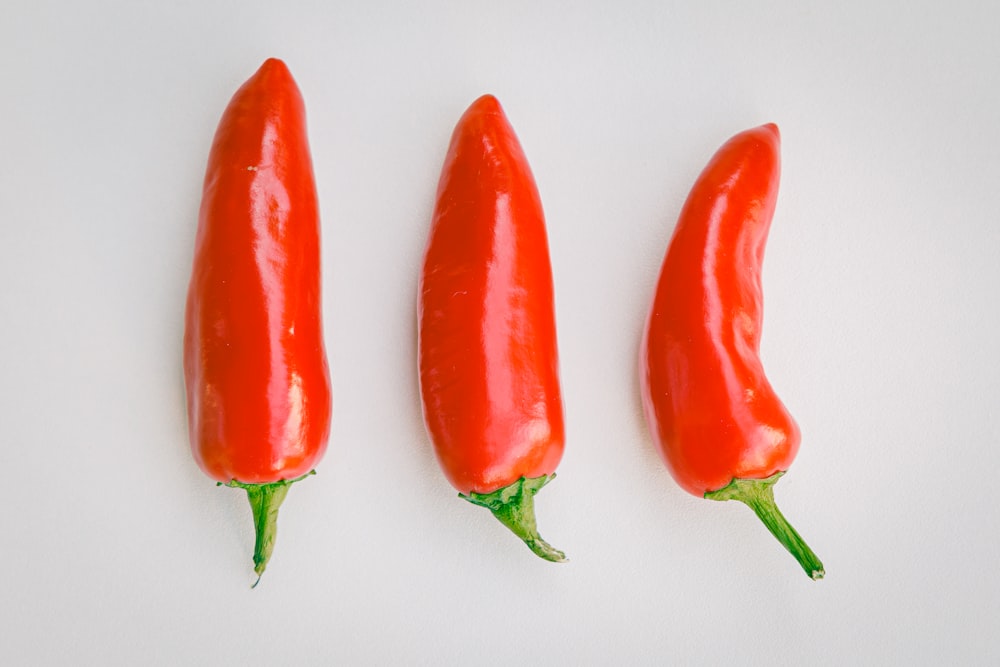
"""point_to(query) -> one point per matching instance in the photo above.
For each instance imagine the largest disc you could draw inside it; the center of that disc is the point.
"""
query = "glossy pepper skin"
(722, 430)
(488, 361)
(258, 387)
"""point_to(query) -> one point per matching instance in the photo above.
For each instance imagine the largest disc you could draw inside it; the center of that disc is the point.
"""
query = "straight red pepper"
(258, 386)
(723, 432)
(487, 338)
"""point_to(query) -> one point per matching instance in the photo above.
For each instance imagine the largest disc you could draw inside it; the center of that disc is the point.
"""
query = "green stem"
(514, 506)
(265, 500)
(758, 495)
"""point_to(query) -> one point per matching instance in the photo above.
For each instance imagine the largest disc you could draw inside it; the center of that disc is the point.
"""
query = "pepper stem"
(758, 495)
(265, 500)
(514, 506)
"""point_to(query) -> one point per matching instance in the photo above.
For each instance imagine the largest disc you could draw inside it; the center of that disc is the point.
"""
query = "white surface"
(881, 282)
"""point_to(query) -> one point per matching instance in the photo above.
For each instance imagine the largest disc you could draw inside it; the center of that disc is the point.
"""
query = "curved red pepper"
(487, 339)
(258, 386)
(723, 432)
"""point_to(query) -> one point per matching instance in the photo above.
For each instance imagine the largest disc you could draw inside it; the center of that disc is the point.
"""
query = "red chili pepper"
(258, 386)
(487, 337)
(720, 427)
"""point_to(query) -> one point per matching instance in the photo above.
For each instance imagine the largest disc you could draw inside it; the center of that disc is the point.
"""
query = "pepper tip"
(274, 67)
(486, 104)
(273, 62)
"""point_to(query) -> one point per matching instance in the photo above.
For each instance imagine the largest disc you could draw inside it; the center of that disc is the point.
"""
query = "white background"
(881, 282)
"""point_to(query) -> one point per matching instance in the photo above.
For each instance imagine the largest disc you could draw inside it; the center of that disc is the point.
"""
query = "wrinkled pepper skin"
(488, 362)
(719, 425)
(258, 386)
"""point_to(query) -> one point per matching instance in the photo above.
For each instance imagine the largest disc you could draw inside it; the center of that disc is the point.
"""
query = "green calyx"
(514, 506)
(758, 495)
(265, 499)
